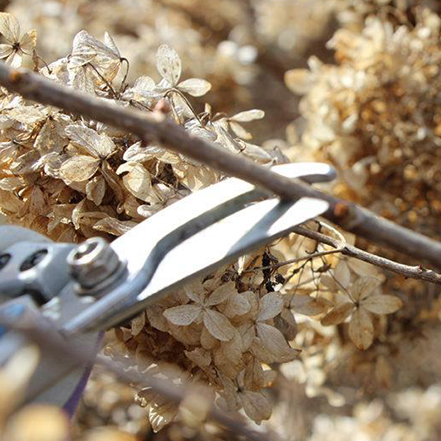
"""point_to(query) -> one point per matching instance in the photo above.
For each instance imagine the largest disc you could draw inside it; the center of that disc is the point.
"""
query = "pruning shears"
(78, 291)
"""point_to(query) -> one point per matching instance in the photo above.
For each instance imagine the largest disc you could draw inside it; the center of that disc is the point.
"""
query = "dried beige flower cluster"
(215, 333)
(353, 13)
(234, 45)
(229, 329)
(69, 178)
(418, 412)
(293, 26)
(375, 116)
(36, 422)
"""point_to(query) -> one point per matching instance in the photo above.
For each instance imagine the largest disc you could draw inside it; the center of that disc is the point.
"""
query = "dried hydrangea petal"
(114, 226)
(96, 189)
(272, 339)
(218, 325)
(5, 50)
(271, 305)
(168, 64)
(338, 314)
(240, 131)
(99, 146)
(382, 304)
(255, 405)
(310, 306)
(9, 27)
(363, 287)
(182, 315)
(137, 180)
(28, 41)
(79, 168)
(248, 115)
(361, 329)
(221, 294)
(199, 356)
(237, 305)
(194, 86)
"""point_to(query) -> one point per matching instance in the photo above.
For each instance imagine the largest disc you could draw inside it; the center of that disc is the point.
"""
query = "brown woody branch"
(155, 126)
(412, 272)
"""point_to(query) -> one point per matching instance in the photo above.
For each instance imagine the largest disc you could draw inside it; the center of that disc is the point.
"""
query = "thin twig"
(291, 261)
(414, 272)
(156, 126)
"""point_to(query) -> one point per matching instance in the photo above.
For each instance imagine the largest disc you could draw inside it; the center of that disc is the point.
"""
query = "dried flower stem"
(349, 216)
(295, 260)
(414, 272)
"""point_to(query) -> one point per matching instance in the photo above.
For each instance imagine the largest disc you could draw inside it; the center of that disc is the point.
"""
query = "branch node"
(15, 76)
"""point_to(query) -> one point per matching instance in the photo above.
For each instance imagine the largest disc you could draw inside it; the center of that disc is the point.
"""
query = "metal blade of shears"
(193, 237)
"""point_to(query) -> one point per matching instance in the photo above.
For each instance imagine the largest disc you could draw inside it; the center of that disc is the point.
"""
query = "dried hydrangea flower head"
(16, 44)
(385, 149)
(363, 299)
(72, 178)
